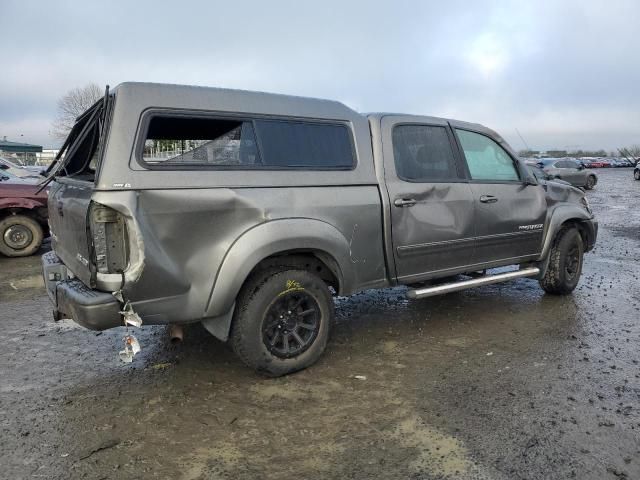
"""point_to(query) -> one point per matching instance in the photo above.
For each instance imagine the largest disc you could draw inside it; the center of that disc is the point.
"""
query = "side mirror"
(4, 166)
(580, 167)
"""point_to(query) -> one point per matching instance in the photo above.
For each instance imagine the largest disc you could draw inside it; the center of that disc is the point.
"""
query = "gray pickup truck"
(248, 211)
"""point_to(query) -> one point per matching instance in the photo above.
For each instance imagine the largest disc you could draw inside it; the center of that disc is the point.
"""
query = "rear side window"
(423, 153)
(227, 143)
(486, 159)
(567, 164)
(311, 145)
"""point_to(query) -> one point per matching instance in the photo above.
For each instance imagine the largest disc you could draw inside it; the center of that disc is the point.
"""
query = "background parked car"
(9, 174)
(623, 162)
(570, 171)
(19, 170)
(543, 176)
(23, 216)
(597, 164)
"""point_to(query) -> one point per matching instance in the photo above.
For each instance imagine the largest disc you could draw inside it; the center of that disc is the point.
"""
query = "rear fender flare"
(263, 241)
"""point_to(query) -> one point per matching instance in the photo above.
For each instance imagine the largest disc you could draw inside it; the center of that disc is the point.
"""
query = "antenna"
(525, 143)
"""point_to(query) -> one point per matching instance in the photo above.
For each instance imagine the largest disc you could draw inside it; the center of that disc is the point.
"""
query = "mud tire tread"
(554, 281)
(589, 186)
(243, 328)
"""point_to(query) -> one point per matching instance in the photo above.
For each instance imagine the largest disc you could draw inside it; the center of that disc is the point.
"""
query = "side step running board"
(474, 282)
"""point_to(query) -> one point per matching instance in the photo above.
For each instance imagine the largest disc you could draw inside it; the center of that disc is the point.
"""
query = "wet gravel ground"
(500, 382)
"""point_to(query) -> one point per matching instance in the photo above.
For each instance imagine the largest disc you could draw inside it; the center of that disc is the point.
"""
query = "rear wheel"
(282, 321)
(591, 182)
(565, 263)
(20, 236)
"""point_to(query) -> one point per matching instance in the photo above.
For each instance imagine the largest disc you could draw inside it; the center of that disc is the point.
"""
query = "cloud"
(562, 73)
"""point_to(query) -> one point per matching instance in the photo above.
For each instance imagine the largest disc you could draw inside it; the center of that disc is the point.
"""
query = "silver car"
(571, 171)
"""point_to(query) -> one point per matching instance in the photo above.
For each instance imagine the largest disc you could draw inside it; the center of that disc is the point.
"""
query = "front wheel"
(636, 174)
(282, 321)
(20, 236)
(591, 182)
(565, 263)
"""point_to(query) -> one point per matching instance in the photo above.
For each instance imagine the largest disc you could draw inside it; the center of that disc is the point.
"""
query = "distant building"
(24, 153)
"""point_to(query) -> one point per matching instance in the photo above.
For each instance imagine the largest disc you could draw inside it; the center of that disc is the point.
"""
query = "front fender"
(557, 217)
(271, 238)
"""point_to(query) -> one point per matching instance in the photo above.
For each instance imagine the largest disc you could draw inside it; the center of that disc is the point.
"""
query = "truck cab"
(248, 211)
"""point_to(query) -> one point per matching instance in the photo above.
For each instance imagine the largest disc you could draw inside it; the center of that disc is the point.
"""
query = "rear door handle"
(488, 199)
(404, 202)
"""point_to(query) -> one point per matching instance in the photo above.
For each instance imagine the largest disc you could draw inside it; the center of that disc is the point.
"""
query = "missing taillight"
(110, 242)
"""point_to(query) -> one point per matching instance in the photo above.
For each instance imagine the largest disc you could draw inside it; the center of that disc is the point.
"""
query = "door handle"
(488, 199)
(404, 202)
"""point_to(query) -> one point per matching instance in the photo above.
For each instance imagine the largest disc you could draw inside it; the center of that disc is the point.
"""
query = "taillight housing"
(110, 239)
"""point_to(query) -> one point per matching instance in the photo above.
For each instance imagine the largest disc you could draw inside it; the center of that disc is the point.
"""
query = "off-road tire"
(636, 174)
(591, 182)
(256, 298)
(27, 222)
(558, 279)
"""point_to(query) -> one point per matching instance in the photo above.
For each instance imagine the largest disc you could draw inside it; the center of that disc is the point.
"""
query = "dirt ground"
(500, 382)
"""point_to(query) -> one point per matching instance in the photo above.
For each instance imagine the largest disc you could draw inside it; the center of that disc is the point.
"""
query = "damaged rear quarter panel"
(189, 233)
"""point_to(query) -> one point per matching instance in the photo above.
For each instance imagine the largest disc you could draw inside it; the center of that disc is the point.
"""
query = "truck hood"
(560, 191)
(21, 189)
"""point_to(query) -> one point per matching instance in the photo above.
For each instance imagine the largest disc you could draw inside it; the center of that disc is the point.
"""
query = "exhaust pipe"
(176, 333)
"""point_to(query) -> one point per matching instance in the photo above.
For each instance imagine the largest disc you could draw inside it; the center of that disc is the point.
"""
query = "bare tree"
(73, 104)
(631, 153)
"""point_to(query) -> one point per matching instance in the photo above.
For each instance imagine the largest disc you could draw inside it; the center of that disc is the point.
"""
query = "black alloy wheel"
(291, 324)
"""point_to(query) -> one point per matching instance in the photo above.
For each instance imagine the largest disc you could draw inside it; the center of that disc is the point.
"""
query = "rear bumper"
(73, 299)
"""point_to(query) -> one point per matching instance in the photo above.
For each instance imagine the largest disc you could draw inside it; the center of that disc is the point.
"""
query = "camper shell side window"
(194, 141)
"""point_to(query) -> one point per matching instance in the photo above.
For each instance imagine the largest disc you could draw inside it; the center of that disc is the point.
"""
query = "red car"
(23, 216)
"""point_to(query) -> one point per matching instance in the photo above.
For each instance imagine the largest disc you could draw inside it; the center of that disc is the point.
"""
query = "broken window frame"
(94, 121)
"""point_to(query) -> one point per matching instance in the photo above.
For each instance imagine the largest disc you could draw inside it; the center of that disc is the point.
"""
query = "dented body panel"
(203, 243)
(190, 237)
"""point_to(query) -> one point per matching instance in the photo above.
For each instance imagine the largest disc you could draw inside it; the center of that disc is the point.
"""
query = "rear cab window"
(209, 142)
(486, 160)
(423, 153)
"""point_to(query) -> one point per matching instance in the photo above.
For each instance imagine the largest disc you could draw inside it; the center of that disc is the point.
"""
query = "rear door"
(431, 203)
(509, 215)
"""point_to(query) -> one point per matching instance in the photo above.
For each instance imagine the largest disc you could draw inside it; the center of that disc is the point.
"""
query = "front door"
(510, 214)
(431, 202)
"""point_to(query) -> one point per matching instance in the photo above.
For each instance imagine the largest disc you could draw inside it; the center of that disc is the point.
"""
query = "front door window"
(487, 161)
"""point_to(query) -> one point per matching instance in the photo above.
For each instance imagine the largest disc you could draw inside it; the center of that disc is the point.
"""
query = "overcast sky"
(566, 74)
